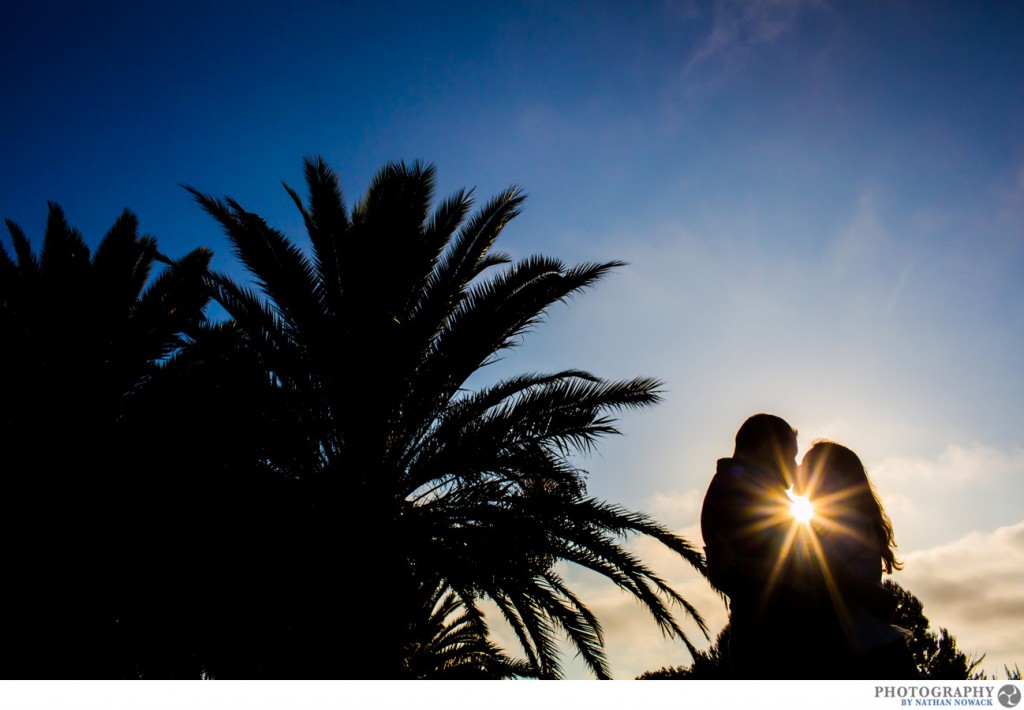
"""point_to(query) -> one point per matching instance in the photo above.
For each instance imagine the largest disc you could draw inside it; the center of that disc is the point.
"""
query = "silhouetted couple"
(805, 596)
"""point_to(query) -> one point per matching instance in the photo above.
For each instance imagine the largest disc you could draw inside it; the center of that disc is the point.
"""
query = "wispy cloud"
(739, 29)
(894, 297)
(1009, 210)
(864, 240)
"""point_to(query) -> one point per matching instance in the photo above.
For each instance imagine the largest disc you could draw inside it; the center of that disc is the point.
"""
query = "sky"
(821, 205)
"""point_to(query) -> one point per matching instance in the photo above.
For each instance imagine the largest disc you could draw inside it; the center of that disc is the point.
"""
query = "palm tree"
(83, 335)
(404, 475)
(450, 641)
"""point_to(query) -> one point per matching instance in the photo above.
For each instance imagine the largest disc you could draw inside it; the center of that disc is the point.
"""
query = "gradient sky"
(822, 206)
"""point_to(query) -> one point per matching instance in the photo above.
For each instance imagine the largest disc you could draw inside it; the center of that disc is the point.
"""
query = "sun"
(800, 507)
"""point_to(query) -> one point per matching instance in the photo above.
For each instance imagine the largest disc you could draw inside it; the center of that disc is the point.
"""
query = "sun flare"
(800, 507)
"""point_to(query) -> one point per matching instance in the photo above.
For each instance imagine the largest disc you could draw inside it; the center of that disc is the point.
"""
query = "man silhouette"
(745, 525)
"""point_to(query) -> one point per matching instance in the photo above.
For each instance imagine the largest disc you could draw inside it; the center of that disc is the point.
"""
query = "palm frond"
(64, 250)
(122, 262)
(495, 314)
(593, 547)
(474, 240)
(578, 623)
(465, 258)
(566, 412)
(7, 267)
(155, 323)
(437, 234)
(280, 268)
(386, 252)
(27, 261)
(448, 429)
(328, 225)
(533, 629)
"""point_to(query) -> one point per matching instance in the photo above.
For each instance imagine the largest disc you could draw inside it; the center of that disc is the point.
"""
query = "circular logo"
(1009, 696)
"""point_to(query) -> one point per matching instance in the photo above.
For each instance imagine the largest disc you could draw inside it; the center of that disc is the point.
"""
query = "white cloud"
(958, 465)
(936, 499)
(974, 587)
(677, 508)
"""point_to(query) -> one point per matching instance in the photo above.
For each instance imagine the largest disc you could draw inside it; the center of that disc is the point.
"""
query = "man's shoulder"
(728, 472)
(733, 490)
(725, 485)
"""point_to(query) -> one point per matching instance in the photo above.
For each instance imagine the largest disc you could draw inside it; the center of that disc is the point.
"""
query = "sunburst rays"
(800, 507)
(833, 526)
(804, 531)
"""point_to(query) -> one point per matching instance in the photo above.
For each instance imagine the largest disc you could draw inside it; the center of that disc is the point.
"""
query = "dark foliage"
(712, 664)
(310, 489)
(936, 654)
(83, 338)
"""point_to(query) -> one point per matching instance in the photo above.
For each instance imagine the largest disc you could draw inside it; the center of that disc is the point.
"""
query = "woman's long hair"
(836, 468)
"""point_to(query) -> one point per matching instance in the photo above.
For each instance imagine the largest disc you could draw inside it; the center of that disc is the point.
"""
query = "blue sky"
(822, 205)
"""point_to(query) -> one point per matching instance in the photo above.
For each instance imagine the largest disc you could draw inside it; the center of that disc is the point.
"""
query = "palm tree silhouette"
(83, 335)
(402, 473)
(450, 642)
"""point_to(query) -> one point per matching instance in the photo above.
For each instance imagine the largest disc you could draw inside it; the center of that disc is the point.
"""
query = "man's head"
(770, 442)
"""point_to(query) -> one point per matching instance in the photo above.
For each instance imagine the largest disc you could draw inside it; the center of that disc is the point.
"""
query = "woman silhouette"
(850, 545)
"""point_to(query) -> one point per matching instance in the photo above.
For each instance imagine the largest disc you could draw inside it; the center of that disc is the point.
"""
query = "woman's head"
(829, 467)
(832, 472)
